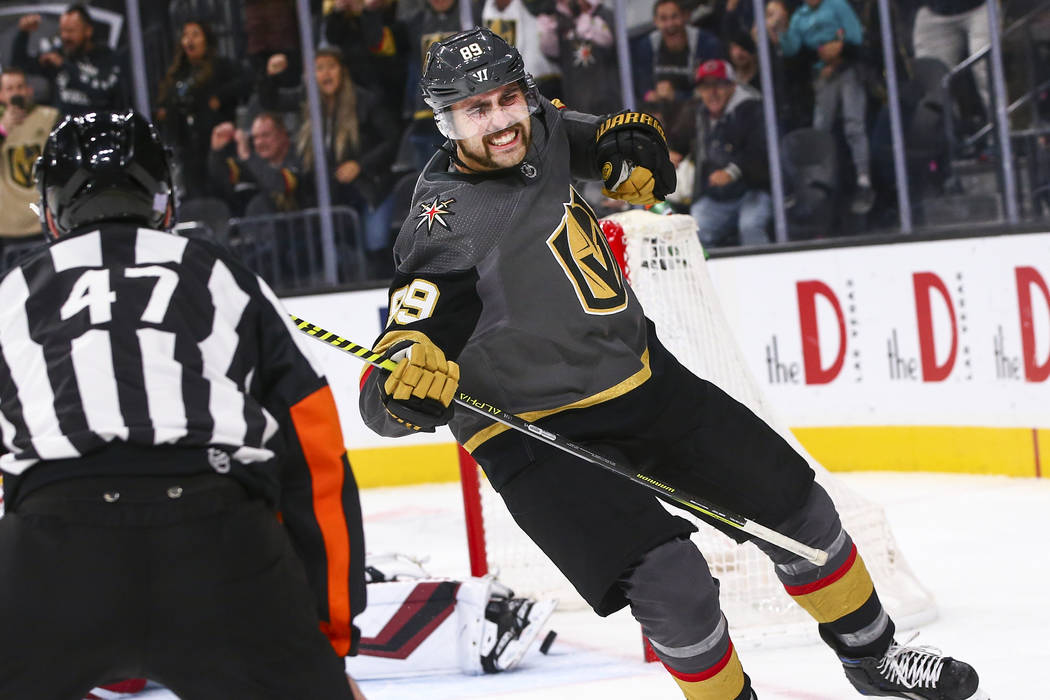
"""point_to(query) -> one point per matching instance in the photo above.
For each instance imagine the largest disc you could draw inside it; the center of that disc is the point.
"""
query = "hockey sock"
(725, 680)
(865, 632)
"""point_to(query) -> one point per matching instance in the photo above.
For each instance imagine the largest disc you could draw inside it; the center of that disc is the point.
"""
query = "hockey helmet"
(104, 166)
(471, 64)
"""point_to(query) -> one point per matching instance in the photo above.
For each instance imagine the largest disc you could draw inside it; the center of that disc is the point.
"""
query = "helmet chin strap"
(450, 148)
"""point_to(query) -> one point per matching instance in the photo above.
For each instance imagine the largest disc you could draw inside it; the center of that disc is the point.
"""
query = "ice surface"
(979, 543)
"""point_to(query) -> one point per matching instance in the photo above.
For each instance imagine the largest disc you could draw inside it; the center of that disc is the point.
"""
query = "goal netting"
(664, 262)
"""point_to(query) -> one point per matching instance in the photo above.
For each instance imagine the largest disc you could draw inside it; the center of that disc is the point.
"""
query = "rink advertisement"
(926, 355)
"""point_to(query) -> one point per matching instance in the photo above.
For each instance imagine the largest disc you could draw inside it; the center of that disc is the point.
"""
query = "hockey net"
(664, 262)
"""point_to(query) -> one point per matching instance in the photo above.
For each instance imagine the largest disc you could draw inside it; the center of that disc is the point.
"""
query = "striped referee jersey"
(127, 338)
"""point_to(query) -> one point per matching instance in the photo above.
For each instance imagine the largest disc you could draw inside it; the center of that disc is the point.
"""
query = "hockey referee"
(179, 502)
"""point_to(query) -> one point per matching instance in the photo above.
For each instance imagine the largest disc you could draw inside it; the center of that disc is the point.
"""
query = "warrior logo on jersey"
(21, 159)
(435, 210)
(580, 248)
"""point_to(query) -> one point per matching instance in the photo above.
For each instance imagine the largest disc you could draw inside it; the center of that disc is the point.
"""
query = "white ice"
(978, 543)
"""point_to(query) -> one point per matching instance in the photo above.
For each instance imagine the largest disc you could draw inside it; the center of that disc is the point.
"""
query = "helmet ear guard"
(104, 166)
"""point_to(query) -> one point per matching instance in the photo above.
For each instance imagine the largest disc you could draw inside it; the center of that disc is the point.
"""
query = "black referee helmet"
(104, 166)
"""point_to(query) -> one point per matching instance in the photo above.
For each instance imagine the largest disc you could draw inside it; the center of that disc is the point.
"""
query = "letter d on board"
(807, 321)
(931, 371)
(1028, 277)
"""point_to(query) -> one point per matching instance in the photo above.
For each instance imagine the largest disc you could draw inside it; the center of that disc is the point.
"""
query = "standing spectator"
(438, 20)
(24, 127)
(374, 46)
(180, 447)
(201, 89)
(264, 161)
(725, 134)
(579, 36)
(792, 81)
(85, 77)
(951, 30)
(517, 22)
(832, 30)
(671, 53)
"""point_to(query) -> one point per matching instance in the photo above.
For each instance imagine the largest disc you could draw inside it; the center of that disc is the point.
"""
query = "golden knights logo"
(21, 159)
(580, 248)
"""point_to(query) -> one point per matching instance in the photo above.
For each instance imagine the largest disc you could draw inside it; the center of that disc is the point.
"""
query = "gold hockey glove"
(633, 159)
(419, 392)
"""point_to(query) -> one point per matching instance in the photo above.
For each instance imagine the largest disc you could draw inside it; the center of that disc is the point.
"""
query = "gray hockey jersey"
(510, 275)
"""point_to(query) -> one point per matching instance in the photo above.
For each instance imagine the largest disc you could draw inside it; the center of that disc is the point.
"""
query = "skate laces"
(912, 667)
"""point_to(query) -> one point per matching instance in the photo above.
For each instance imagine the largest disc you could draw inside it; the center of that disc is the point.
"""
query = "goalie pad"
(416, 624)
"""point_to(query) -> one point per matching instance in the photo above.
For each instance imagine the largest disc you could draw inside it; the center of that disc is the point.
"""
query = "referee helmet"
(104, 166)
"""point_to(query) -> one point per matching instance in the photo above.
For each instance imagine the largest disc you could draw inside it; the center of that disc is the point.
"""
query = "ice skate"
(914, 673)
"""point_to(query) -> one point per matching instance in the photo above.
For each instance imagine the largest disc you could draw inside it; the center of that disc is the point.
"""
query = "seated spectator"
(579, 37)
(743, 56)
(374, 46)
(200, 90)
(85, 77)
(832, 30)
(671, 52)
(724, 132)
(24, 128)
(265, 161)
(517, 21)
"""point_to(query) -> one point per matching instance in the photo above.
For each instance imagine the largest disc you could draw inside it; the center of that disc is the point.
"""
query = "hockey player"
(504, 282)
(179, 502)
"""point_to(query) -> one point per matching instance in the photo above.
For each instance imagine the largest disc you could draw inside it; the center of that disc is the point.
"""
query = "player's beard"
(479, 155)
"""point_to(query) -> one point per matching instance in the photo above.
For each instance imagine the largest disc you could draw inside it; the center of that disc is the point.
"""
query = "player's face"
(500, 118)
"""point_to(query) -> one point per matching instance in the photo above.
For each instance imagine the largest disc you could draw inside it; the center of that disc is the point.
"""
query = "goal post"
(664, 263)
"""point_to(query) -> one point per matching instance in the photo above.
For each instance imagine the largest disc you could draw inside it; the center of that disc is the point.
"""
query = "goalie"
(504, 281)
(416, 623)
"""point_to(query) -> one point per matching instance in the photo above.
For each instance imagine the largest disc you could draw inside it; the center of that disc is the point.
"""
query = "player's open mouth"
(508, 138)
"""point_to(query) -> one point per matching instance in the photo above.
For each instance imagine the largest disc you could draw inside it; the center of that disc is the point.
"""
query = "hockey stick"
(816, 556)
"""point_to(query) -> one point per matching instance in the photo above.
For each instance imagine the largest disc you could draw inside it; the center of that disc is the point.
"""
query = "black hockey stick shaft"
(816, 556)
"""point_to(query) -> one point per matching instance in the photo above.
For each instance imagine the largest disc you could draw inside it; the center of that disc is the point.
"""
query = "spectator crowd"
(227, 92)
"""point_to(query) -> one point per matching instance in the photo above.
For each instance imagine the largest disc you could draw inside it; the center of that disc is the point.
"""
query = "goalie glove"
(419, 391)
(633, 159)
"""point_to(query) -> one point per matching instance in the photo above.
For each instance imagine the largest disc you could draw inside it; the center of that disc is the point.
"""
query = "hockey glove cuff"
(633, 159)
(419, 391)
